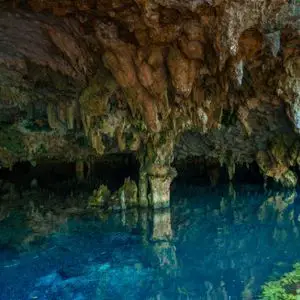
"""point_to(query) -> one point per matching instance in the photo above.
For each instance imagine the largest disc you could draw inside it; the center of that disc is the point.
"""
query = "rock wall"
(165, 79)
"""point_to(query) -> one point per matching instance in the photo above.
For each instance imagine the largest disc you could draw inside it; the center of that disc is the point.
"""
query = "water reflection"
(213, 243)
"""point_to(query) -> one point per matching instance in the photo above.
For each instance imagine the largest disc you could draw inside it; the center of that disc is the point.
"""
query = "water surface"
(213, 243)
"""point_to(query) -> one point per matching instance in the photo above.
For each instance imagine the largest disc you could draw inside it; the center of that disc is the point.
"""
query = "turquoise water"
(213, 243)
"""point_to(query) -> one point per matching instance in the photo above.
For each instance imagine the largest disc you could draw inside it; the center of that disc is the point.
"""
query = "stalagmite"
(127, 194)
(143, 189)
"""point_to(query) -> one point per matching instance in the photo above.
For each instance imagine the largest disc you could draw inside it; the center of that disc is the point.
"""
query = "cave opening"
(198, 171)
(62, 177)
(111, 170)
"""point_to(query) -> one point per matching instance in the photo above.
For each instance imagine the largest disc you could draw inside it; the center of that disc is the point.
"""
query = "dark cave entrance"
(197, 171)
(60, 177)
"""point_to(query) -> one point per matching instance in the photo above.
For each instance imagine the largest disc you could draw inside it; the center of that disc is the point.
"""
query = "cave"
(149, 149)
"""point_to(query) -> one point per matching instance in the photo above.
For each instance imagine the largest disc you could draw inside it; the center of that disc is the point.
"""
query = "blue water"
(211, 244)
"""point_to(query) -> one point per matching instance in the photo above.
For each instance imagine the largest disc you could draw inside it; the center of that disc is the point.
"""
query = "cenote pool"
(213, 243)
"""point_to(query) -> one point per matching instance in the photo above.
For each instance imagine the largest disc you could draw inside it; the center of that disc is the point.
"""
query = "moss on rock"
(285, 288)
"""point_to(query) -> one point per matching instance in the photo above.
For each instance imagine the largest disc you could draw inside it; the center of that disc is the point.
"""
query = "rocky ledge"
(163, 79)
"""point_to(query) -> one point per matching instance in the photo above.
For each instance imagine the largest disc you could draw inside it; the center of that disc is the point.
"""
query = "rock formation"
(164, 79)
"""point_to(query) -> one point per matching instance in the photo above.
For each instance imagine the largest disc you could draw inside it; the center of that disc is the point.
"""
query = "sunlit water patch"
(211, 244)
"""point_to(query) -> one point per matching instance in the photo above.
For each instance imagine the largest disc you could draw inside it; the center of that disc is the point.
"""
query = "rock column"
(156, 173)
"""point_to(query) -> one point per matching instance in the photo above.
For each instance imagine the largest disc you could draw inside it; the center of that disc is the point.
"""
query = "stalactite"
(62, 113)
(88, 121)
(242, 115)
(121, 139)
(239, 72)
(30, 111)
(143, 189)
(272, 40)
(84, 123)
(70, 112)
(52, 117)
(96, 140)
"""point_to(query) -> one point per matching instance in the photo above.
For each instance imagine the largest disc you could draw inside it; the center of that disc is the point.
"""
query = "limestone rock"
(163, 79)
(100, 197)
(127, 195)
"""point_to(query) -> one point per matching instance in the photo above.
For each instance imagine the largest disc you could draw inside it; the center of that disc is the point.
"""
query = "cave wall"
(165, 79)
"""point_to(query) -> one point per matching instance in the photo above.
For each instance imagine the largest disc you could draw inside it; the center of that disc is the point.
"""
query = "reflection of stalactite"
(277, 206)
(279, 234)
(130, 218)
(231, 168)
(231, 191)
(86, 122)
(216, 292)
(247, 293)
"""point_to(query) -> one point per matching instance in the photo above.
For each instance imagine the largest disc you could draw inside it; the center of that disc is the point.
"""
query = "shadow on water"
(213, 243)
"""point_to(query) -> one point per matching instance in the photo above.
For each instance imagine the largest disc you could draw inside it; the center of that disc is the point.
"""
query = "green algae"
(285, 288)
